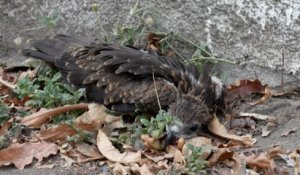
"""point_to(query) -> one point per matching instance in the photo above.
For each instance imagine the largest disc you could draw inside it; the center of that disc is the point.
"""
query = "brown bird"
(125, 78)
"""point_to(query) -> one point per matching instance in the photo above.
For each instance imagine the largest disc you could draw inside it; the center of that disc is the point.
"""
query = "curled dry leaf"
(29, 73)
(261, 161)
(288, 132)
(143, 170)
(22, 154)
(258, 116)
(221, 155)
(267, 95)
(197, 142)
(217, 128)
(151, 143)
(89, 150)
(5, 126)
(178, 157)
(113, 154)
(59, 132)
(94, 118)
(120, 169)
(37, 119)
(245, 87)
(154, 41)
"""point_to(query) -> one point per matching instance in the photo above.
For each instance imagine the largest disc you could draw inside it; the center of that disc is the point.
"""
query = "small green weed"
(155, 127)
(47, 90)
(194, 164)
(4, 113)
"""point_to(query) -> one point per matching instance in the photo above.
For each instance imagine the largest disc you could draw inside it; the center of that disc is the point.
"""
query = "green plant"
(155, 127)
(194, 163)
(50, 20)
(4, 113)
(47, 90)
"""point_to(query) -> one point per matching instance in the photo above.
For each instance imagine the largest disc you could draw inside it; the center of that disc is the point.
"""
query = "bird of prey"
(125, 78)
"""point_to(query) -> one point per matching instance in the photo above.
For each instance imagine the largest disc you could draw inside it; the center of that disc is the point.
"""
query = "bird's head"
(193, 115)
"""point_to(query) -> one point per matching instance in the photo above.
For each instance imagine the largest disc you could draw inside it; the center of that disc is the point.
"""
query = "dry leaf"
(29, 73)
(94, 118)
(5, 126)
(178, 158)
(37, 119)
(217, 128)
(267, 95)
(288, 132)
(258, 116)
(121, 169)
(22, 154)
(113, 154)
(261, 161)
(221, 155)
(244, 87)
(154, 41)
(59, 132)
(143, 170)
(151, 143)
(89, 150)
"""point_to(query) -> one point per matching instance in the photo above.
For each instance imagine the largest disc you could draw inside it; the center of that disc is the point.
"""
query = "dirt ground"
(286, 109)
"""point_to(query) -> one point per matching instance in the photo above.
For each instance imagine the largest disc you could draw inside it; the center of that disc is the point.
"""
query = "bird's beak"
(170, 138)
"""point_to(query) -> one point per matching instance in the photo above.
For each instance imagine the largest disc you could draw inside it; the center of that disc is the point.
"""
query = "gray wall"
(246, 31)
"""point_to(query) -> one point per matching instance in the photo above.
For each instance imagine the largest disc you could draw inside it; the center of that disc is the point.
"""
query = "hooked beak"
(170, 138)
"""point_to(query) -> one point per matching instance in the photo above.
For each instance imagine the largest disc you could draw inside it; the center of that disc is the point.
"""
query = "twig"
(36, 28)
(253, 149)
(156, 91)
(282, 69)
(7, 84)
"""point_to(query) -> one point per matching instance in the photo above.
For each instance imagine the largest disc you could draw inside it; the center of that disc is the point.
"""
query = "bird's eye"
(194, 127)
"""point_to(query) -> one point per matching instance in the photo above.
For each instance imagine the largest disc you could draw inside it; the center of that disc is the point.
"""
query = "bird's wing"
(116, 74)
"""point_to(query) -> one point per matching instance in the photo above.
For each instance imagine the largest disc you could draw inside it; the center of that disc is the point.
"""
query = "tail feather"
(51, 48)
(38, 54)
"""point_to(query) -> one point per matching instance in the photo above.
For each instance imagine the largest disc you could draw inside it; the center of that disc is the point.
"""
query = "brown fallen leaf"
(95, 117)
(288, 132)
(5, 126)
(259, 162)
(43, 116)
(89, 150)
(245, 87)
(258, 116)
(29, 73)
(178, 158)
(154, 41)
(59, 132)
(113, 154)
(7, 84)
(151, 143)
(217, 128)
(221, 155)
(267, 95)
(22, 154)
(120, 169)
(143, 170)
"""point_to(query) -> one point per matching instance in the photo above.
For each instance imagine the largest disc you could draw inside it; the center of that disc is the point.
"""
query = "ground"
(285, 109)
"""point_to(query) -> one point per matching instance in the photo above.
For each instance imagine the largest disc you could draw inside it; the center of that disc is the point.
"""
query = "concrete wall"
(246, 31)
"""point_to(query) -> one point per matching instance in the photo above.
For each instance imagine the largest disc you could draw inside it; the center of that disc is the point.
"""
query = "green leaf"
(145, 122)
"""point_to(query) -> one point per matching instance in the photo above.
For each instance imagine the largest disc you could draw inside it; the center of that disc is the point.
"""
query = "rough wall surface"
(250, 31)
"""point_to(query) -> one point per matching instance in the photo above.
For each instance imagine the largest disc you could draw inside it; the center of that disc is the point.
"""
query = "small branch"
(7, 84)
(282, 69)
(156, 91)
(36, 28)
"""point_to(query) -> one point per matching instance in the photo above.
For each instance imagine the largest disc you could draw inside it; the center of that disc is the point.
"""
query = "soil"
(286, 109)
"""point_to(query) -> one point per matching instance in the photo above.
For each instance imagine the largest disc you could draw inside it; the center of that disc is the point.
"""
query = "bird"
(126, 78)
